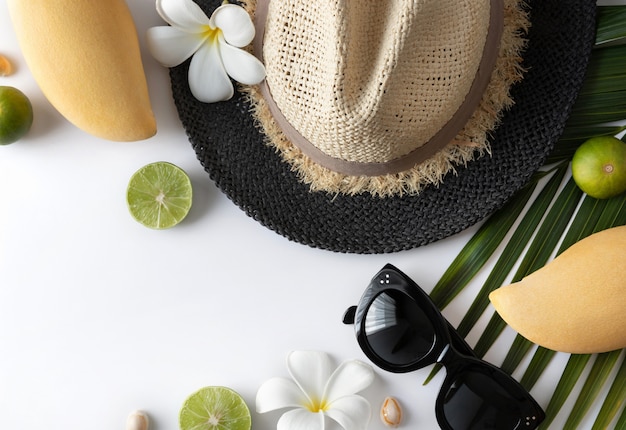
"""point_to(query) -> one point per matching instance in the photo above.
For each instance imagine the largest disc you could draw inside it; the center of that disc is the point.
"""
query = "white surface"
(100, 316)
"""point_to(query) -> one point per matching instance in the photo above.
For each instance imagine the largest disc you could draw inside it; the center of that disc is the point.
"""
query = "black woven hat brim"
(253, 175)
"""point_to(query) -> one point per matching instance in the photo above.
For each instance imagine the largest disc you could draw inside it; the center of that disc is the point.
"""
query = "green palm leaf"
(538, 254)
(597, 377)
(612, 20)
(480, 248)
(452, 282)
(513, 250)
(615, 400)
(538, 364)
(574, 368)
(621, 422)
(573, 136)
(557, 217)
(602, 96)
(592, 216)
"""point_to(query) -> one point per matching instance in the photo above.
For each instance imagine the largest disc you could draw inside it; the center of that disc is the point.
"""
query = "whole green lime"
(599, 167)
(16, 115)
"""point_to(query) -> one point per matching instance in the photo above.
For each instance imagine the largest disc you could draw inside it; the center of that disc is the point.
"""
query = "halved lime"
(16, 115)
(215, 408)
(599, 167)
(159, 195)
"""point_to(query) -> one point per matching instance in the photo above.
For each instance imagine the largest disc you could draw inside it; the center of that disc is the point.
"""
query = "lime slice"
(215, 408)
(16, 115)
(159, 195)
(599, 167)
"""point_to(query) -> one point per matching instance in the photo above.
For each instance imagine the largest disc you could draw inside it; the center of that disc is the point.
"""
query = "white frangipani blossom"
(316, 391)
(214, 43)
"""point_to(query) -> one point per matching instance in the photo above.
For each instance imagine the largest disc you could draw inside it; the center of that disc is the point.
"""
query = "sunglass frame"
(449, 348)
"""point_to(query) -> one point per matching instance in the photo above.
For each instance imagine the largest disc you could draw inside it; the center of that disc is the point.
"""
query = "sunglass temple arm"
(349, 314)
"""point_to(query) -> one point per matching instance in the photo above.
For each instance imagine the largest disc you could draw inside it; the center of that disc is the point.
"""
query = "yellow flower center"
(211, 34)
(317, 405)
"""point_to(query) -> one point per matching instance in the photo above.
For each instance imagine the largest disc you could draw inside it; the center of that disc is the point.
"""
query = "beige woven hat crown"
(384, 96)
(246, 161)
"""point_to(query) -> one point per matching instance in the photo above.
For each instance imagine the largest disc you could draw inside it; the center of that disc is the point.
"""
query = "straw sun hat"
(389, 124)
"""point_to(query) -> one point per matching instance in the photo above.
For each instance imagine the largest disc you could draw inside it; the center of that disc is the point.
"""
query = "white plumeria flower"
(214, 44)
(317, 392)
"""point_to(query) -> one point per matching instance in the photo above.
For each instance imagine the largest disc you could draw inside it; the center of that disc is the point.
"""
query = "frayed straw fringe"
(471, 143)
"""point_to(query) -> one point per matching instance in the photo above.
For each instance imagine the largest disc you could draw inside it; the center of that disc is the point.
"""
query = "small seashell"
(137, 421)
(391, 412)
(5, 66)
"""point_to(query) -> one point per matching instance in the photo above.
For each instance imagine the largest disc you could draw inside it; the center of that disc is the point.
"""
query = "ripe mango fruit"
(85, 57)
(577, 302)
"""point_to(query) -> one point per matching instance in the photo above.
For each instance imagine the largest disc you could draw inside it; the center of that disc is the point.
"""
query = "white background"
(100, 316)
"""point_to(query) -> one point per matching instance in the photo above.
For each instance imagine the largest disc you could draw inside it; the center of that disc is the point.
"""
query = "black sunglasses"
(400, 329)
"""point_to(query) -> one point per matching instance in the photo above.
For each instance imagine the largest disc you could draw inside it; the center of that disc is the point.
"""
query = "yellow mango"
(577, 302)
(85, 57)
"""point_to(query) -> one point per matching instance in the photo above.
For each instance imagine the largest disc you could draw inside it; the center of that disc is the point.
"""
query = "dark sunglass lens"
(397, 330)
(476, 401)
